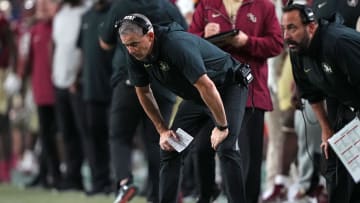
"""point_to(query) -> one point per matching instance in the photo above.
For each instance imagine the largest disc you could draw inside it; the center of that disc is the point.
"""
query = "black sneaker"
(126, 193)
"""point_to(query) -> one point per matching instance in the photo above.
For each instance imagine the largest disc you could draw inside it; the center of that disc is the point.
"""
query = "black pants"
(49, 157)
(5, 149)
(251, 148)
(70, 112)
(96, 143)
(340, 185)
(195, 119)
(126, 114)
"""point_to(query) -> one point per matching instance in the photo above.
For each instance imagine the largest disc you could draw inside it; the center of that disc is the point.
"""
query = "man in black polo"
(206, 78)
(326, 58)
(349, 11)
(126, 112)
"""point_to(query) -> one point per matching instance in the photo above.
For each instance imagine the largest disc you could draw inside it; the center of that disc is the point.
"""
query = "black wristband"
(222, 127)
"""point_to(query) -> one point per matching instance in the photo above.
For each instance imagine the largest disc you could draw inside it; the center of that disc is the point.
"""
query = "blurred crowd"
(57, 106)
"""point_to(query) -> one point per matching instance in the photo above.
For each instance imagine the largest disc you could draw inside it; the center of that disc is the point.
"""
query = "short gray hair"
(127, 28)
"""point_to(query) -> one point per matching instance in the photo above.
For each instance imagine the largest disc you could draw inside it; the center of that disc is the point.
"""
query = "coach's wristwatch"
(222, 127)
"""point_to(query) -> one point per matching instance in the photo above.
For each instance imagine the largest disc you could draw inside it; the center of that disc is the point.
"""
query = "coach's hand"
(217, 137)
(325, 135)
(164, 137)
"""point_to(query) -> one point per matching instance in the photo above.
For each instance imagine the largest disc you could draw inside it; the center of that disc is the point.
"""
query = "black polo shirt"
(330, 67)
(177, 61)
(96, 71)
(158, 11)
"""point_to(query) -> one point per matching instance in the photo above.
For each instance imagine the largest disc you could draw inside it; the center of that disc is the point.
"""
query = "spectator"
(95, 73)
(258, 39)
(68, 96)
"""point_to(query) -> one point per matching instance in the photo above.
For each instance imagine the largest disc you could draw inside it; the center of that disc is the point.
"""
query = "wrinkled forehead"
(131, 36)
(131, 39)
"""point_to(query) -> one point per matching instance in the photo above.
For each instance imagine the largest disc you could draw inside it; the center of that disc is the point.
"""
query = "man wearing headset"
(325, 58)
(126, 112)
(209, 81)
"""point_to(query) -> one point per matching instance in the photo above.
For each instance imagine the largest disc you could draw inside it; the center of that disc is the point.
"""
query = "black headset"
(137, 20)
(307, 14)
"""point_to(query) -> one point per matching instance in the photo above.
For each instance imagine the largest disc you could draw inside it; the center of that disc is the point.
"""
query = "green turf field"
(12, 194)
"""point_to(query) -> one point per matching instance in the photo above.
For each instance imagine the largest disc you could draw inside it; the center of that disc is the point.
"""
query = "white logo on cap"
(129, 17)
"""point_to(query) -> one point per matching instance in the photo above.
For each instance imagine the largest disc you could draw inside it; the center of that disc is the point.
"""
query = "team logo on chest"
(251, 17)
(327, 68)
(164, 66)
(215, 15)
